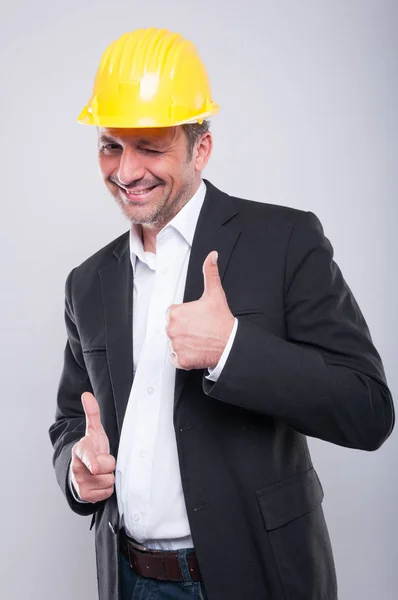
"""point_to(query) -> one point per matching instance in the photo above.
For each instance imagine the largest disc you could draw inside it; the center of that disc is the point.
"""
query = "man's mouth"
(138, 193)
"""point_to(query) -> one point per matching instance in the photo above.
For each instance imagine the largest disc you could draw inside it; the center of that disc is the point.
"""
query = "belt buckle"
(138, 546)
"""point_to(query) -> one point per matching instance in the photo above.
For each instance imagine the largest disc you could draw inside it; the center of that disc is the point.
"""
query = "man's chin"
(148, 211)
(139, 219)
(139, 215)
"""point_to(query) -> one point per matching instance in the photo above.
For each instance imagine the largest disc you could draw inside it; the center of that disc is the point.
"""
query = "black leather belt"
(158, 564)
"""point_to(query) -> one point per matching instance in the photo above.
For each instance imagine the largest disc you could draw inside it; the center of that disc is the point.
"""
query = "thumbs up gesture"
(92, 465)
(198, 331)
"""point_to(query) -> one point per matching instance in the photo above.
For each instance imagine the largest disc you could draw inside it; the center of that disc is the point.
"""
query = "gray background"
(308, 95)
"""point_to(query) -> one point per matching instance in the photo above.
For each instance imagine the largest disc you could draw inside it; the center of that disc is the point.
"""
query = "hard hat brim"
(86, 117)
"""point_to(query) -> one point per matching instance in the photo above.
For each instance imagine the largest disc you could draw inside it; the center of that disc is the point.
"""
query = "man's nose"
(130, 167)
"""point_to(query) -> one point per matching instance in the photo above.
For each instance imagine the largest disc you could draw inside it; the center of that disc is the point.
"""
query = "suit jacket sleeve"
(214, 374)
(326, 379)
(70, 423)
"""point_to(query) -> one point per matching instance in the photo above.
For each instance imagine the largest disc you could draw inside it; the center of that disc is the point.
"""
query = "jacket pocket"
(95, 351)
(289, 499)
(247, 311)
(298, 537)
(254, 315)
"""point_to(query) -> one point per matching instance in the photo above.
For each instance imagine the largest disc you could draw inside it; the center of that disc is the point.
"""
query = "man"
(204, 345)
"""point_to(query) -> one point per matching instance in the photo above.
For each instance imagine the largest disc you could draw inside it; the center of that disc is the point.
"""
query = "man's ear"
(202, 151)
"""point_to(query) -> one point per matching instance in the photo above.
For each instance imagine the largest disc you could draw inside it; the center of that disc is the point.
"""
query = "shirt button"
(136, 516)
(142, 453)
(164, 270)
(150, 390)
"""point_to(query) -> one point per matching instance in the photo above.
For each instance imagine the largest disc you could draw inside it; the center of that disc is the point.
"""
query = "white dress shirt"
(147, 477)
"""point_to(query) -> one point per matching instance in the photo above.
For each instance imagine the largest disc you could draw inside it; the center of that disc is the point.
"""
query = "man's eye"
(109, 147)
(151, 151)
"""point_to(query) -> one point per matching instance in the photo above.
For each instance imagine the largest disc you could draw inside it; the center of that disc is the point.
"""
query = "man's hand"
(199, 330)
(92, 466)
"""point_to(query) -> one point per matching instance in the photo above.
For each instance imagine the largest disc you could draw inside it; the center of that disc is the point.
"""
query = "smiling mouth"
(138, 194)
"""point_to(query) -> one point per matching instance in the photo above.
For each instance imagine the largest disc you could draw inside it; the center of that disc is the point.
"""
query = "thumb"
(92, 412)
(211, 276)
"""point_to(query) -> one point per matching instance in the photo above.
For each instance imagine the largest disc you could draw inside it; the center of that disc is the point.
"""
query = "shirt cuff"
(215, 373)
(72, 489)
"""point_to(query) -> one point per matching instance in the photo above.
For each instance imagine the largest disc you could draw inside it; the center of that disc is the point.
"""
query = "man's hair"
(194, 132)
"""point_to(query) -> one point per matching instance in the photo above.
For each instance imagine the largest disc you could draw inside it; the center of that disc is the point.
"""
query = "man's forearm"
(277, 378)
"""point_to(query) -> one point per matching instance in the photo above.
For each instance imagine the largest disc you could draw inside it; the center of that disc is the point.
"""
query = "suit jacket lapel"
(216, 229)
(117, 296)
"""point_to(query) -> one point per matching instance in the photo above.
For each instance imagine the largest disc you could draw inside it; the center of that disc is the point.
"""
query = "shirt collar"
(184, 222)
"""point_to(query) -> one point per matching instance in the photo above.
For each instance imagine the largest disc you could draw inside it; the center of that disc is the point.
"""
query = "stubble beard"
(159, 214)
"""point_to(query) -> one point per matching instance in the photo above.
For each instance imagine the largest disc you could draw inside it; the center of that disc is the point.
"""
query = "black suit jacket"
(302, 363)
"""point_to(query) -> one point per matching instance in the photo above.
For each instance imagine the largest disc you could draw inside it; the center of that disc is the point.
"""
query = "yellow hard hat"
(149, 78)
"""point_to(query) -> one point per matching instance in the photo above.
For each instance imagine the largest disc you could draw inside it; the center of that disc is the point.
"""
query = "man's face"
(148, 171)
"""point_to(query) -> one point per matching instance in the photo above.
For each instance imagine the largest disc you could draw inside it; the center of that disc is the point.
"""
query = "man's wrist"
(214, 373)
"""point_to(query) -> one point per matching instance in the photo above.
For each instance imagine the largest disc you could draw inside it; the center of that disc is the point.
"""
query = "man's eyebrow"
(158, 140)
(107, 139)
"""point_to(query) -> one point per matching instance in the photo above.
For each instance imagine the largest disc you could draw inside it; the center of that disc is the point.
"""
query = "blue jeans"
(136, 587)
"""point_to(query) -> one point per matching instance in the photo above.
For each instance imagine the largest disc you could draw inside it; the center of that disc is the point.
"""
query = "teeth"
(138, 193)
